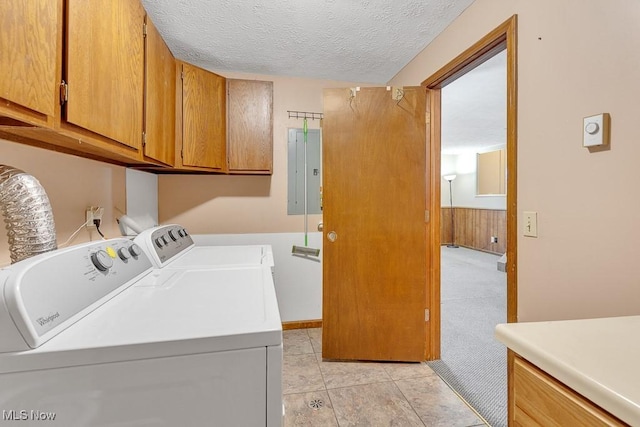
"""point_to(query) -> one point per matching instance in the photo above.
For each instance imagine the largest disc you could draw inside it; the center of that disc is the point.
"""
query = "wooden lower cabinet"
(541, 400)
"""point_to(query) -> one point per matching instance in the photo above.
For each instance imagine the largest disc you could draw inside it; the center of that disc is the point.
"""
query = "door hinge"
(64, 92)
(182, 154)
(182, 75)
(426, 314)
(144, 30)
(144, 139)
(427, 216)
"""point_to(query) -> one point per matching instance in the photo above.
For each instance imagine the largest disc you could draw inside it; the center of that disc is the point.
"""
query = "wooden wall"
(474, 228)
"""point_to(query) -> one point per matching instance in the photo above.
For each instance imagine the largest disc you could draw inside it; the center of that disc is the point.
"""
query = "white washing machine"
(93, 335)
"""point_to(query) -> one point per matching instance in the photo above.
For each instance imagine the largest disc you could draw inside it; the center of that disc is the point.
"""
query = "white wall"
(72, 184)
(464, 166)
(142, 198)
(576, 58)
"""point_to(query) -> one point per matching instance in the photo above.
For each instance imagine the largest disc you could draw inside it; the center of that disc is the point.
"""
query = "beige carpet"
(473, 363)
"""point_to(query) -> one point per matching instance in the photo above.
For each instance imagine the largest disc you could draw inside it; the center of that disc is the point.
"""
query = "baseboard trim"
(302, 324)
(476, 249)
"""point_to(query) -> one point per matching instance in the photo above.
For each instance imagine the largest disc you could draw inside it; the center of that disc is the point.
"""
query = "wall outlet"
(494, 239)
(93, 212)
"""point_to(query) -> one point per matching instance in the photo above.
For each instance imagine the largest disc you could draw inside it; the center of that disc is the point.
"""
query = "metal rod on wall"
(304, 115)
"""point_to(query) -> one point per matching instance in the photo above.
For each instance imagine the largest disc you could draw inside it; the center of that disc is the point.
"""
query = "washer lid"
(168, 313)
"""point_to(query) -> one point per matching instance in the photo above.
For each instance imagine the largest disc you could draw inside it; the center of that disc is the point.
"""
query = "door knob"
(320, 226)
(332, 236)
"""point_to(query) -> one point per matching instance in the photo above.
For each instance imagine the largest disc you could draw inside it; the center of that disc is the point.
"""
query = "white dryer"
(95, 336)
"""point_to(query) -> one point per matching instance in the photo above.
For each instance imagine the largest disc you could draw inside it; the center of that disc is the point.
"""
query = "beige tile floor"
(325, 393)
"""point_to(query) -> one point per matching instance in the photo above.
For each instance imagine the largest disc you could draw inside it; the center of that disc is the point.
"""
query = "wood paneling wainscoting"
(474, 228)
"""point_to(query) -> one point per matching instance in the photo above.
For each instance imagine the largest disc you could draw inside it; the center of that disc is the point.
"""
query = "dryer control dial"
(173, 236)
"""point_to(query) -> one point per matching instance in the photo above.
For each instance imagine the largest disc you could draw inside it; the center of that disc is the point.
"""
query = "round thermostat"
(592, 128)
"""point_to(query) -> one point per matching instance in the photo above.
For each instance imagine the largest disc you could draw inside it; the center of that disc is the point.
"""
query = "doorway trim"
(502, 37)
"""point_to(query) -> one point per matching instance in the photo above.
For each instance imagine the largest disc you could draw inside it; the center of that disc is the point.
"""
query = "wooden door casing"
(374, 199)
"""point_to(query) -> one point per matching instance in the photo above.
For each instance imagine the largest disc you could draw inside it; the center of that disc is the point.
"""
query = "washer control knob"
(173, 235)
(159, 242)
(135, 250)
(182, 233)
(101, 260)
(124, 254)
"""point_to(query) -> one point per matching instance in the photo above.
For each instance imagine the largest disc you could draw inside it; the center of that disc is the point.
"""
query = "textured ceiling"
(350, 40)
(474, 108)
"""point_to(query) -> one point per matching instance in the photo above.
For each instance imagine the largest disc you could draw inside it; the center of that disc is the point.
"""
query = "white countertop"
(598, 358)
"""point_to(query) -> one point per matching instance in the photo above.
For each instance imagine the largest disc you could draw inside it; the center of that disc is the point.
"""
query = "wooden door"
(105, 68)
(29, 53)
(160, 98)
(203, 118)
(250, 126)
(374, 201)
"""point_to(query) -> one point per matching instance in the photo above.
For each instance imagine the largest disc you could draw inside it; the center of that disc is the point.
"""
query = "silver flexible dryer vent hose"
(27, 214)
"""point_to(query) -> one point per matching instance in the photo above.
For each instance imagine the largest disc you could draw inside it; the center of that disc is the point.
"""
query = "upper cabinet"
(203, 119)
(30, 58)
(160, 99)
(105, 68)
(250, 126)
(110, 89)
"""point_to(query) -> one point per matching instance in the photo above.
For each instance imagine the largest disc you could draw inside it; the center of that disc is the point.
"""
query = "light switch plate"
(530, 224)
(595, 130)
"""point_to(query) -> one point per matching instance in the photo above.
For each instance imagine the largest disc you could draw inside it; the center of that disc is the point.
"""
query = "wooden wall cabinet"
(203, 119)
(118, 91)
(102, 114)
(250, 126)
(30, 59)
(541, 400)
(160, 99)
(105, 68)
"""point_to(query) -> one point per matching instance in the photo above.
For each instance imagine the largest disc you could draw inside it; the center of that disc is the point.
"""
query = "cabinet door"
(30, 53)
(203, 118)
(541, 400)
(105, 68)
(250, 126)
(160, 100)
